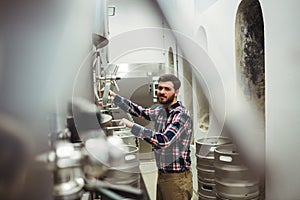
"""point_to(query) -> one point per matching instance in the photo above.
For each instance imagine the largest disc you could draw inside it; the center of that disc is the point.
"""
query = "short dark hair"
(170, 77)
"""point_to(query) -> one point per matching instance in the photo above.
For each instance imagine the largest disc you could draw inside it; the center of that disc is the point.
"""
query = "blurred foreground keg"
(127, 137)
(233, 179)
(127, 173)
(205, 165)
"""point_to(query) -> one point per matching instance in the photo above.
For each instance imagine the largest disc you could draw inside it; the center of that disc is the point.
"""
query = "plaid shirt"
(171, 136)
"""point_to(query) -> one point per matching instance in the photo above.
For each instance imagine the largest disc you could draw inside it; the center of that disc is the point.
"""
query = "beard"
(167, 100)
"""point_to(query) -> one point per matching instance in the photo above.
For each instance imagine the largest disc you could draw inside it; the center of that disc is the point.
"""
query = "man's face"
(166, 93)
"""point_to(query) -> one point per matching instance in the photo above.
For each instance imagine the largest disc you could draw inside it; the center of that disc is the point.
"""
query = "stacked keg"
(205, 165)
(233, 179)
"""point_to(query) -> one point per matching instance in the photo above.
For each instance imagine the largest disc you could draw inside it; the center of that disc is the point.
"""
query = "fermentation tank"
(137, 83)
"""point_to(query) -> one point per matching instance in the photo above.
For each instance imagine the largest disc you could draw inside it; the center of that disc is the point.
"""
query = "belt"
(163, 171)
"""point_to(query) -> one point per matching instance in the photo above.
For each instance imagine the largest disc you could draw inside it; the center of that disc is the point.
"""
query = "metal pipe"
(100, 29)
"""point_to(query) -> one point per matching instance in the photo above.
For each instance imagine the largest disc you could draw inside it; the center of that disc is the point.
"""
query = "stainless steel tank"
(233, 178)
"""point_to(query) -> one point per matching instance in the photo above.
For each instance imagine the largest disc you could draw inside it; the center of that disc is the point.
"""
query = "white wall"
(136, 34)
(282, 98)
(216, 65)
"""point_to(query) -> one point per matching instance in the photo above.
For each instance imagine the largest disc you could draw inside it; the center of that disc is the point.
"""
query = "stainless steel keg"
(233, 178)
(129, 172)
(127, 137)
(205, 165)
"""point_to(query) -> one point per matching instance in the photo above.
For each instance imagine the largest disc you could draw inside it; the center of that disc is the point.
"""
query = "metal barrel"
(127, 137)
(205, 165)
(127, 173)
(233, 179)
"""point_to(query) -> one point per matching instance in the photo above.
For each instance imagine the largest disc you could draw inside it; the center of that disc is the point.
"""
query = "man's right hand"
(110, 93)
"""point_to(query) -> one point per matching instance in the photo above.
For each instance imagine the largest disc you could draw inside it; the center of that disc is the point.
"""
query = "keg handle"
(207, 188)
(225, 158)
(109, 109)
(115, 127)
(116, 120)
(130, 157)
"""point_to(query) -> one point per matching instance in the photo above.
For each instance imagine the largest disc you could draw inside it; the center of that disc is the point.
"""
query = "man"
(170, 138)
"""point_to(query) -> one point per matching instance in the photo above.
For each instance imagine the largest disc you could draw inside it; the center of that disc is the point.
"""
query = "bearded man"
(170, 138)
